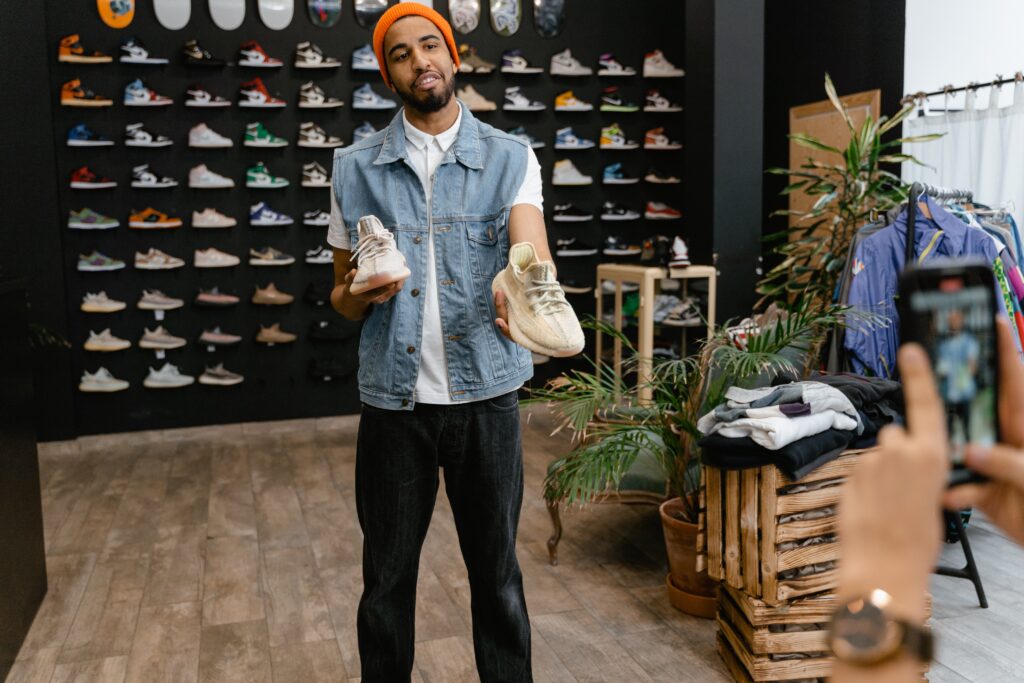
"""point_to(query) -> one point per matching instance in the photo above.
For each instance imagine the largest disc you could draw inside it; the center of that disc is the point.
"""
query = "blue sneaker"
(137, 94)
(364, 59)
(363, 131)
(614, 175)
(513, 62)
(521, 133)
(262, 214)
(81, 136)
(565, 138)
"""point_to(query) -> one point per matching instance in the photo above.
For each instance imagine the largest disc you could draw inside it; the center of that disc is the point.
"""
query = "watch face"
(862, 634)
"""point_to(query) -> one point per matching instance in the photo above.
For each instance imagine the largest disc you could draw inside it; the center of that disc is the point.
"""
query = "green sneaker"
(87, 219)
(259, 176)
(256, 135)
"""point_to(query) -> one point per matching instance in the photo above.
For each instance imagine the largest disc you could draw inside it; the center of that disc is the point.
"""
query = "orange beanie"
(405, 9)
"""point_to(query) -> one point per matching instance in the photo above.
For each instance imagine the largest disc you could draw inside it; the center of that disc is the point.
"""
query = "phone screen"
(951, 312)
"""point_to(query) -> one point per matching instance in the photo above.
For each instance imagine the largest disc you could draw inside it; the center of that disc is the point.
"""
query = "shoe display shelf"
(647, 278)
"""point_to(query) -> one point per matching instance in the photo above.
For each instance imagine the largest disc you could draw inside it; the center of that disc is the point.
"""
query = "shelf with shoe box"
(246, 133)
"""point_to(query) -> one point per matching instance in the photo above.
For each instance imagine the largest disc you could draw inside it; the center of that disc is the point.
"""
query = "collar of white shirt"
(420, 139)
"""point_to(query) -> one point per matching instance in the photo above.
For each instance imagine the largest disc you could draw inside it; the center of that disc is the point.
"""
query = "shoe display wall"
(237, 129)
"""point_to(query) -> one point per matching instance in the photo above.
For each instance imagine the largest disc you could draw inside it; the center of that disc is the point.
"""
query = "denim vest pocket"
(484, 248)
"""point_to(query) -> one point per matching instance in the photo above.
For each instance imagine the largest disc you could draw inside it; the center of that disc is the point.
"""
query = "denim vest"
(474, 187)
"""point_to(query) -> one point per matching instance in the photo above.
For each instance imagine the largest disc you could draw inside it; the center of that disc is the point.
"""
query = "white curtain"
(982, 150)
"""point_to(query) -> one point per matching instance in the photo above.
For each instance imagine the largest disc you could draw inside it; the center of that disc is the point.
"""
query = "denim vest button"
(411, 349)
(415, 292)
(405, 403)
(417, 239)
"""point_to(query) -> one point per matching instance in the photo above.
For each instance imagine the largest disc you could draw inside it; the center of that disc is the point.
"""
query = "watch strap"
(918, 641)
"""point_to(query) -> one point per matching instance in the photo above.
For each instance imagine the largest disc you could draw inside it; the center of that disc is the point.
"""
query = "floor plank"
(308, 663)
(166, 644)
(231, 581)
(235, 653)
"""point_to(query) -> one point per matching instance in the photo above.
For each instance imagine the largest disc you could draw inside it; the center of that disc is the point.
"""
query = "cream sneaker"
(539, 317)
(380, 262)
(474, 100)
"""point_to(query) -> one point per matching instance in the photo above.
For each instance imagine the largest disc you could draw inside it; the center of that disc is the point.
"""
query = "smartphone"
(949, 308)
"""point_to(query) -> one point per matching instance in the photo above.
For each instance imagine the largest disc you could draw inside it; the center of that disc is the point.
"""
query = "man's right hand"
(380, 295)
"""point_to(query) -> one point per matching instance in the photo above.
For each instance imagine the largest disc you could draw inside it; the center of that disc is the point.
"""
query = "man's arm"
(526, 224)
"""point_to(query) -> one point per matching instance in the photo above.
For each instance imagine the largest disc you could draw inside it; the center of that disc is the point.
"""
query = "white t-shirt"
(425, 154)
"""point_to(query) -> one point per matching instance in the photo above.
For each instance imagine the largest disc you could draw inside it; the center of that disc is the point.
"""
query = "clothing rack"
(916, 191)
(949, 89)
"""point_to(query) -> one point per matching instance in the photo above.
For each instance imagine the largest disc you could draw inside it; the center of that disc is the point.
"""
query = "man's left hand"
(502, 310)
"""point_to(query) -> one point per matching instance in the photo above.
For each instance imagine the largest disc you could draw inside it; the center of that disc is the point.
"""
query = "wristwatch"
(863, 633)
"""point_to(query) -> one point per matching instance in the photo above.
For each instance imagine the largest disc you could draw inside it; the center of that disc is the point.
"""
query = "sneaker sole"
(166, 346)
(138, 225)
(523, 72)
(158, 307)
(212, 145)
(260, 224)
(221, 186)
(77, 59)
(333, 105)
(267, 186)
(374, 108)
(160, 385)
(379, 280)
(621, 218)
(620, 147)
(660, 217)
(572, 219)
(615, 74)
(618, 108)
(577, 183)
(274, 105)
(317, 184)
(264, 145)
(92, 186)
(569, 72)
(213, 381)
(158, 103)
(260, 65)
(153, 186)
(663, 110)
(577, 290)
(318, 66)
(98, 389)
(86, 308)
(513, 326)
(147, 60)
(217, 265)
(662, 147)
(93, 226)
(621, 181)
(149, 144)
(261, 263)
(200, 226)
(663, 182)
(317, 224)
(216, 304)
(99, 269)
(671, 75)
(87, 103)
(621, 252)
(508, 108)
(576, 252)
(322, 145)
(315, 262)
(208, 105)
(269, 303)
(574, 147)
(105, 349)
(149, 267)
(90, 143)
(575, 107)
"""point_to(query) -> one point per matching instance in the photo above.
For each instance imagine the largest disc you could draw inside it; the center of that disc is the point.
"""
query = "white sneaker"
(474, 100)
(160, 339)
(154, 259)
(310, 56)
(202, 178)
(144, 178)
(167, 377)
(101, 381)
(564, 64)
(211, 218)
(105, 341)
(364, 97)
(315, 175)
(566, 173)
(203, 136)
(680, 255)
(101, 303)
(609, 66)
(566, 138)
(214, 258)
(312, 96)
(379, 261)
(657, 102)
(514, 62)
(198, 96)
(515, 100)
(155, 300)
(320, 256)
(656, 66)
(316, 218)
(539, 317)
(312, 135)
(136, 135)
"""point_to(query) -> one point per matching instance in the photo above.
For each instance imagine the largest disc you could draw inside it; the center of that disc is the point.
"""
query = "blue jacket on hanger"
(878, 262)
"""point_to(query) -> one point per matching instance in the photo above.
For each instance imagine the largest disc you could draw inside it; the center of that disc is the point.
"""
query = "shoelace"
(374, 245)
(546, 296)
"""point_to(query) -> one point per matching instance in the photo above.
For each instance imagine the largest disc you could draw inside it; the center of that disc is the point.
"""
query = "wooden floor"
(233, 554)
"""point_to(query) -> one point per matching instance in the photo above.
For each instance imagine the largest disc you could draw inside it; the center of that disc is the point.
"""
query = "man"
(438, 372)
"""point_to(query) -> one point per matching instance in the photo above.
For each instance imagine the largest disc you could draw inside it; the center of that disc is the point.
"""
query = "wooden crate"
(740, 530)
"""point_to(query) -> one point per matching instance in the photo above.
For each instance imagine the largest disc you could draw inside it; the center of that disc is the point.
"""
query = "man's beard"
(433, 102)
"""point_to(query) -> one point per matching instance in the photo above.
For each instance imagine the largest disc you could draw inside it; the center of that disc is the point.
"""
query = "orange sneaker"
(149, 219)
(71, 50)
(72, 94)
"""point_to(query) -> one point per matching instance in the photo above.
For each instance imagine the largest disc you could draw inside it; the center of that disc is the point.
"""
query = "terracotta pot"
(689, 591)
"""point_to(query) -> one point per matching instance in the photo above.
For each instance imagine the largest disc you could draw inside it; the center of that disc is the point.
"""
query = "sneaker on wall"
(567, 213)
(539, 317)
(613, 137)
(167, 377)
(515, 100)
(656, 211)
(83, 136)
(364, 59)
(566, 138)
(134, 51)
(105, 342)
(202, 178)
(656, 102)
(520, 132)
(618, 246)
(656, 139)
(612, 100)
(571, 247)
(198, 96)
(211, 218)
(312, 135)
(252, 54)
(101, 303)
(610, 211)
(257, 135)
(155, 300)
(160, 338)
(567, 101)
(72, 51)
(656, 66)
(84, 179)
(260, 214)
(214, 258)
(269, 256)
(74, 94)
(203, 137)
(260, 177)
(271, 296)
(363, 131)
(315, 175)
(364, 97)
(154, 259)
(320, 256)
(101, 381)
(312, 96)
(215, 337)
(254, 94)
(144, 178)
(576, 287)
(514, 62)
(216, 298)
(274, 335)
(138, 94)
(310, 56)
(97, 262)
(150, 218)
(87, 219)
(656, 177)
(680, 255)
(474, 100)
(196, 55)
(379, 261)
(609, 66)
(219, 376)
(316, 218)
(564, 64)
(472, 63)
(566, 173)
(136, 135)
(614, 175)
(656, 250)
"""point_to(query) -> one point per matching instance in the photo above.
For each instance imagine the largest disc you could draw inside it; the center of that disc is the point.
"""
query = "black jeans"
(397, 459)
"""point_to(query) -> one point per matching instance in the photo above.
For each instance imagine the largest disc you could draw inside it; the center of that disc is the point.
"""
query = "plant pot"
(689, 591)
